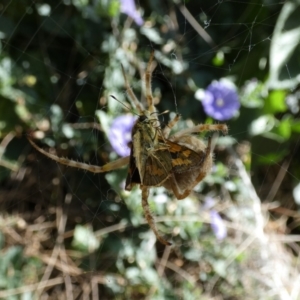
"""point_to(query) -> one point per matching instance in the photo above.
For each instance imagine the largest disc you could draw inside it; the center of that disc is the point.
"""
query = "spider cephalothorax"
(178, 162)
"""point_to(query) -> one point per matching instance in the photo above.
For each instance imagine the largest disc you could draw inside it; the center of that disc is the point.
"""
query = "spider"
(178, 162)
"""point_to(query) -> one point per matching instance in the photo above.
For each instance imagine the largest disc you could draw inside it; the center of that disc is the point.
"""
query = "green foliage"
(275, 102)
(17, 270)
(84, 239)
(285, 49)
(59, 64)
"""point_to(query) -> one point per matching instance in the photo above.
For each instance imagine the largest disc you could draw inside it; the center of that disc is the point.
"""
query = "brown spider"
(177, 162)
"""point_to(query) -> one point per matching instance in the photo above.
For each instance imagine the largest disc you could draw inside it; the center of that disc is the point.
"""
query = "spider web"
(64, 60)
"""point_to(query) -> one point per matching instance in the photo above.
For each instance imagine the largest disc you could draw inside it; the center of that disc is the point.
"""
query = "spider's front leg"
(134, 100)
(170, 125)
(75, 164)
(188, 131)
(200, 128)
(149, 217)
(148, 89)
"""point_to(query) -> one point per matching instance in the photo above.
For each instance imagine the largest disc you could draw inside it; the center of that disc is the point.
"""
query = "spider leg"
(201, 128)
(170, 125)
(148, 92)
(71, 163)
(131, 94)
(149, 217)
(182, 194)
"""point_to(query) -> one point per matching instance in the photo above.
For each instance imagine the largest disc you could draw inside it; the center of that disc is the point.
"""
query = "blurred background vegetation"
(70, 234)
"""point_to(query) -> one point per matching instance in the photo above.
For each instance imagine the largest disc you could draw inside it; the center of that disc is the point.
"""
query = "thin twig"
(199, 29)
(4, 143)
(279, 178)
(160, 270)
(31, 287)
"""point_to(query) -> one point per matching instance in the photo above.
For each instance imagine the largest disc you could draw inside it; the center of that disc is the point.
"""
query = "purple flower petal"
(120, 134)
(209, 202)
(221, 100)
(217, 225)
(128, 8)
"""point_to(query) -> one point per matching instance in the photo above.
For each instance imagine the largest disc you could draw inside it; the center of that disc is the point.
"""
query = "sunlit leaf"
(295, 126)
(275, 102)
(218, 59)
(284, 129)
(262, 124)
(253, 94)
(296, 193)
(84, 239)
(152, 34)
(285, 48)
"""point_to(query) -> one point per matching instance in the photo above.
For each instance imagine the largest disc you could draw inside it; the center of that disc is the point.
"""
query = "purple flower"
(216, 222)
(221, 100)
(120, 134)
(128, 8)
(217, 225)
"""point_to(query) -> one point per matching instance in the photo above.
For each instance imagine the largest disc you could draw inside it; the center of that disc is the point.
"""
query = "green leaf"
(218, 59)
(296, 193)
(152, 34)
(272, 158)
(295, 126)
(275, 102)
(56, 117)
(273, 136)
(253, 94)
(285, 48)
(80, 3)
(112, 282)
(2, 240)
(114, 8)
(262, 124)
(85, 239)
(284, 129)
